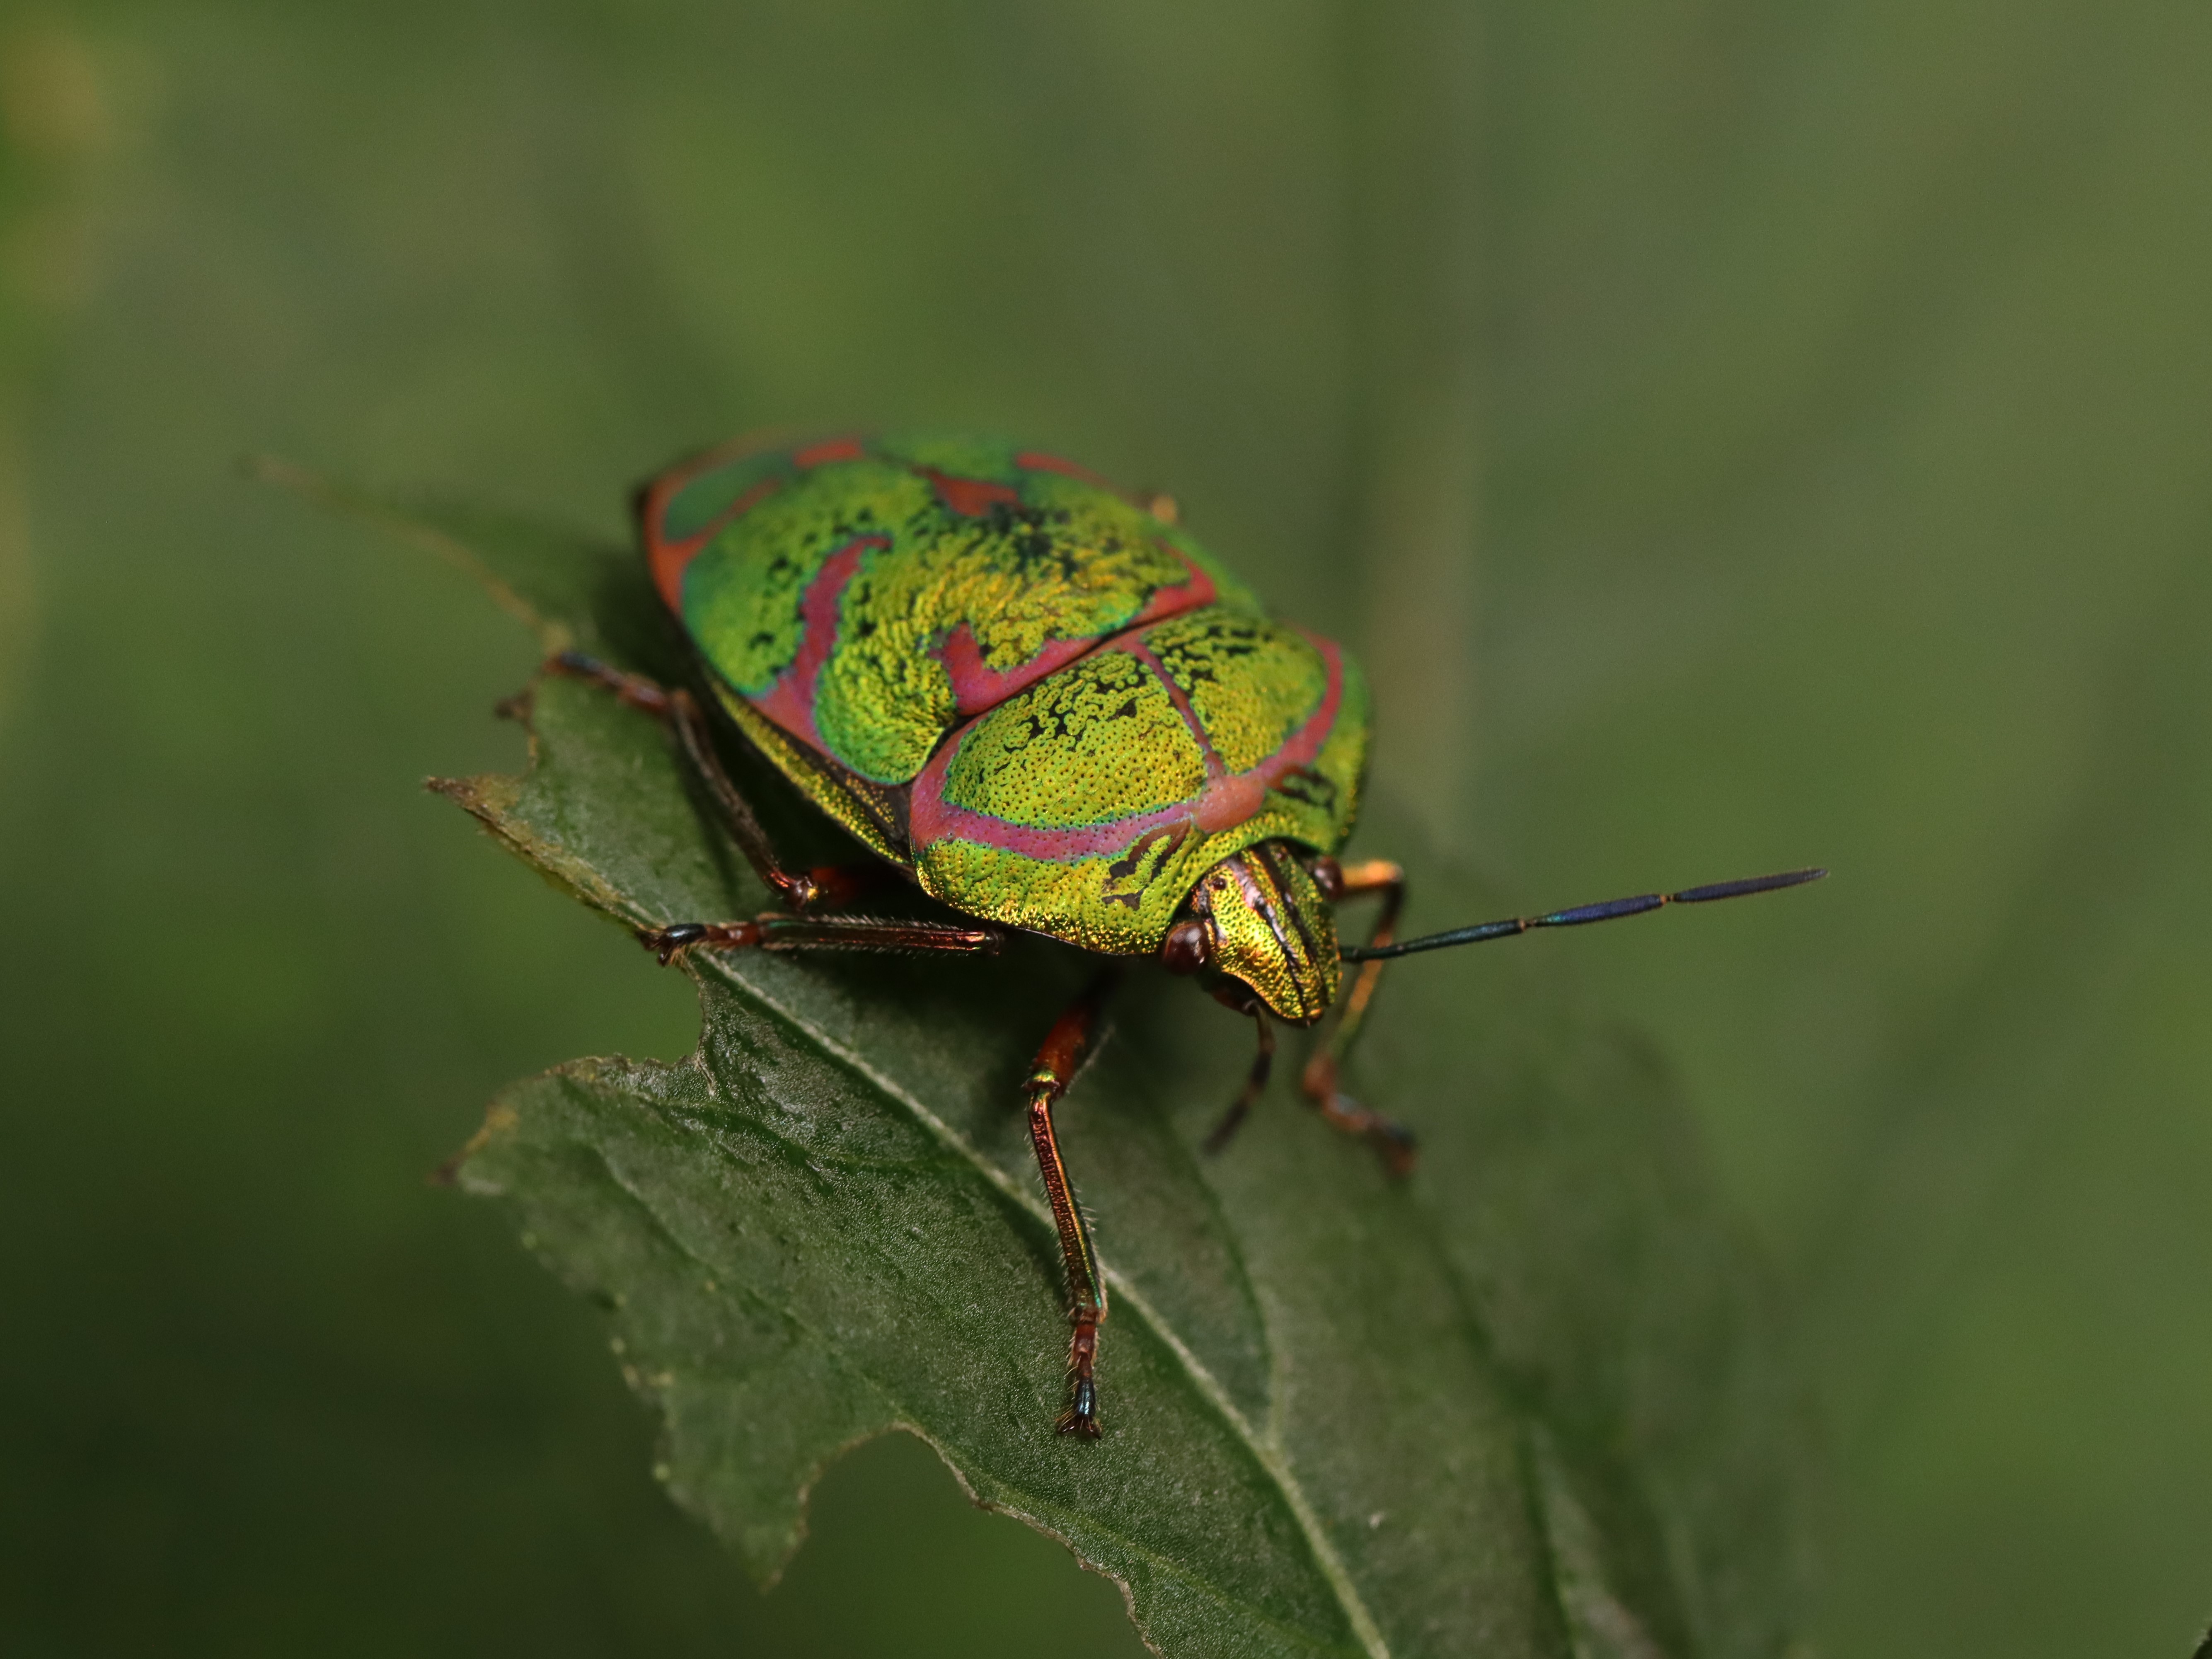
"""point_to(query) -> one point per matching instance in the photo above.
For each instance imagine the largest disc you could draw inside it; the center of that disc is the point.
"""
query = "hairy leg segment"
(802, 890)
(1057, 1062)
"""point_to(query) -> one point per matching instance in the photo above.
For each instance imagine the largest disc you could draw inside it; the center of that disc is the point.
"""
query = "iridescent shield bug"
(1040, 700)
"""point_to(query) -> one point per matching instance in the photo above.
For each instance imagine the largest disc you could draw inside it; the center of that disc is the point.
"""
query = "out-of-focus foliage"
(1742, 434)
(52, 121)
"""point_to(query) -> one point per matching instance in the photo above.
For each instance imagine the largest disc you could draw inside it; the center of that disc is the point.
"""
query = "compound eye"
(1328, 876)
(1186, 948)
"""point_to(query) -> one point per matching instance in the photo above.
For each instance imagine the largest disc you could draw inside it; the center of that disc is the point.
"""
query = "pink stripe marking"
(790, 701)
(669, 560)
(1227, 799)
(1038, 460)
(832, 449)
(1215, 767)
(1165, 602)
(971, 498)
(976, 686)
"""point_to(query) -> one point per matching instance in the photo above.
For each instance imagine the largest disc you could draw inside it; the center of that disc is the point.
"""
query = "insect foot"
(1081, 1417)
(1397, 1145)
(668, 943)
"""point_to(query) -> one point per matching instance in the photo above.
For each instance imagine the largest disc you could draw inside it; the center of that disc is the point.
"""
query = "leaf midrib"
(901, 1421)
(1264, 1449)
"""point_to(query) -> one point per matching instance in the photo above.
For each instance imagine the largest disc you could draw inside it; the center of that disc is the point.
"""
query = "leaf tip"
(499, 1119)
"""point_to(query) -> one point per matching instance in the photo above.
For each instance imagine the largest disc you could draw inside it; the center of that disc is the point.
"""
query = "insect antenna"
(1610, 910)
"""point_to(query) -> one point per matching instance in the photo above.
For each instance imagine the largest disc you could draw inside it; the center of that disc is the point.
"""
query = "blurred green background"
(1737, 435)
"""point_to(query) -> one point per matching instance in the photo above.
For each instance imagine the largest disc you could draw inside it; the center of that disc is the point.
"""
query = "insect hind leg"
(1057, 1062)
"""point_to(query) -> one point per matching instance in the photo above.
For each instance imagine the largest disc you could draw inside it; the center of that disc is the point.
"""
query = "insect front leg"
(1391, 1139)
(1255, 1080)
(800, 890)
(1056, 1064)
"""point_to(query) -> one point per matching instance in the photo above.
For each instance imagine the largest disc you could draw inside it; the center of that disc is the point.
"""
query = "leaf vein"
(1264, 1450)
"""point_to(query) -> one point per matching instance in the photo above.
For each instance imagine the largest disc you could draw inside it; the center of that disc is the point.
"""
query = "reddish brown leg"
(1256, 1083)
(1056, 1063)
(771, 931)
(801, 890)
(1391, 1139)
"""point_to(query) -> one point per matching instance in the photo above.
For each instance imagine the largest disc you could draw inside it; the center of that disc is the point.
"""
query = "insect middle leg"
(1055, 1068)
(1391, 1139)
(801, 890)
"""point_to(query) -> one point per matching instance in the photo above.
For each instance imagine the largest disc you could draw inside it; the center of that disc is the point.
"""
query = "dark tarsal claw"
(665, 942)
(1081, 1417)
(1400, 1148)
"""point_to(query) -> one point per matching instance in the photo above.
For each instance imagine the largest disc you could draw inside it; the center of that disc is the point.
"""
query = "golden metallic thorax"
(1269, 926)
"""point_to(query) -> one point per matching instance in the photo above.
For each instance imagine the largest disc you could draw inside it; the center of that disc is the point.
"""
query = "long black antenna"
(1611, 910)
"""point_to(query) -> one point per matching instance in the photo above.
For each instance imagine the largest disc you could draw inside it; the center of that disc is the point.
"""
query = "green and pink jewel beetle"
(1040, 700)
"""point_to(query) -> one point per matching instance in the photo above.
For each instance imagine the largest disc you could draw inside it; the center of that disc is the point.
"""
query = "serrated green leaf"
(1522, 1404)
